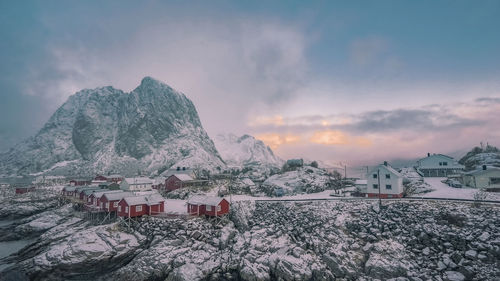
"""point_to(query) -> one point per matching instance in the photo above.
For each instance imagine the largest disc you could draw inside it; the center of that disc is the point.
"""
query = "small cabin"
(79, 182)
(485, 177)
(182, 180)
(110, 200)
(208, 206)
(137, 206)
(68, 191)
(25, 189)
(95, 197)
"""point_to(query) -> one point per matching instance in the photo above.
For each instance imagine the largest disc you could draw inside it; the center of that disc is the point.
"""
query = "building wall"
(395, 182)
(173, 183)
(133, 210)
(224, 209)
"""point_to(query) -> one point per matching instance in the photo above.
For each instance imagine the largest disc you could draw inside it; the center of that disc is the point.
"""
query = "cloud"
(275, 140)
(365, 51)
(379, 135)
(336, 137)
(229, 67)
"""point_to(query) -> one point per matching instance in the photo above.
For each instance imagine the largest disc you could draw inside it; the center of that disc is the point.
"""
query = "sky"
(356, 82)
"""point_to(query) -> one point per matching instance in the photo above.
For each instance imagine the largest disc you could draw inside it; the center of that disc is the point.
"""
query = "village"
(109, 197)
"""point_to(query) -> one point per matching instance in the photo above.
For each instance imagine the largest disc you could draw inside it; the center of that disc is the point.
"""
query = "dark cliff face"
(103, 125)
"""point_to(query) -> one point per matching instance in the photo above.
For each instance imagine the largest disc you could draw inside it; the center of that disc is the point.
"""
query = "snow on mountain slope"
(245, 151)
(101, 130)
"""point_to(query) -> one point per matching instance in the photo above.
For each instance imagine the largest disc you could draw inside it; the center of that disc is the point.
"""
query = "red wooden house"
(22, 190)
(110, 200)
(100, 178)
(207, 205)
(79, 182)
(95, 197)
(68, 191)
(177, 181)
(137, 206)
(114, 178)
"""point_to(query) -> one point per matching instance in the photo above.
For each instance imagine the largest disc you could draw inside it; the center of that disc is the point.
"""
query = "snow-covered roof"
(389, 168)
(98, 194)
(70, 188)
(114, 176)
(90, 191)
(117, 195)
(183, 177)
(205, 200)
(151, 199)
(140, 180)
(437, 155)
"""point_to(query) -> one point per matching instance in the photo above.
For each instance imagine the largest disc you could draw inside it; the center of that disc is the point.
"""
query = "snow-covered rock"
(246, 151)
(302, 180)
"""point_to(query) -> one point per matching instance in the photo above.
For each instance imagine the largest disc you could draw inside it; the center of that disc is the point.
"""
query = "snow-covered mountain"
(246, 151)
(150, 129)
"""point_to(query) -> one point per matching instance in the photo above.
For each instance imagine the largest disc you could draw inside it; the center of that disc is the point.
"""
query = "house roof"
(98, 194)
(90, 191)
(139, 180)
(70, 188)
(434, 155)
(388, 168)
(114, 176)
(117, 195)
(183, 177)
(151, 199)
(205, 200)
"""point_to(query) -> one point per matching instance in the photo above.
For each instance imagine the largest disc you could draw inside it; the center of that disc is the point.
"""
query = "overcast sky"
(351, 81)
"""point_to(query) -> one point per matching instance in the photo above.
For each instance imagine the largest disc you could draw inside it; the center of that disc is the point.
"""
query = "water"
(10, 247)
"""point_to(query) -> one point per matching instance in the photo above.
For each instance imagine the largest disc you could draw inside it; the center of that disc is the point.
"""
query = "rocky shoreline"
(352, 240)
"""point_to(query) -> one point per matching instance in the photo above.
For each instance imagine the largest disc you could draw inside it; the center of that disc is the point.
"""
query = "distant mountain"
(246, 151)
(479, 156)
(102, 130)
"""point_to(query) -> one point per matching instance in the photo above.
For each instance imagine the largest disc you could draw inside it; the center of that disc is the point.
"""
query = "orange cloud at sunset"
(275, 140)
(336, 137)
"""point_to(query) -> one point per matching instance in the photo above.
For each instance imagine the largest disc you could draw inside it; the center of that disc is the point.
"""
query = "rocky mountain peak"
(105, 129)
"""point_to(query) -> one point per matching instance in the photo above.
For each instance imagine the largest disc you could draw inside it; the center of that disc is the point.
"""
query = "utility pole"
(378, 178)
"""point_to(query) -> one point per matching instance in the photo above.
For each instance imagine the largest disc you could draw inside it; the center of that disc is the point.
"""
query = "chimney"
(385, 163)
(484, 167)
(428, 154)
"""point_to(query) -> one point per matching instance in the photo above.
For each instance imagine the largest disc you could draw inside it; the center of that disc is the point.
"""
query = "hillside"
(103, 130)
(246, 152)
(479, 156)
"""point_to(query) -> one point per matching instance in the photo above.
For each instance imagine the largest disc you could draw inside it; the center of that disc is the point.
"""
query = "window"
(445, 163)
(440, 163)
(119, 208)
(219, 208)
(209, 208)
(388, 186)
(138, 208)
(387, 176)
(494, 180)
(126, 209)
(107, 205)
(115, 204)
(375, 186)
(374, 176)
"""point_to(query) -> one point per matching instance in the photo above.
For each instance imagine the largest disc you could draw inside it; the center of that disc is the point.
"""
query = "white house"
(384, 180)
(136, 184)
(486, 177)
(438, 165)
